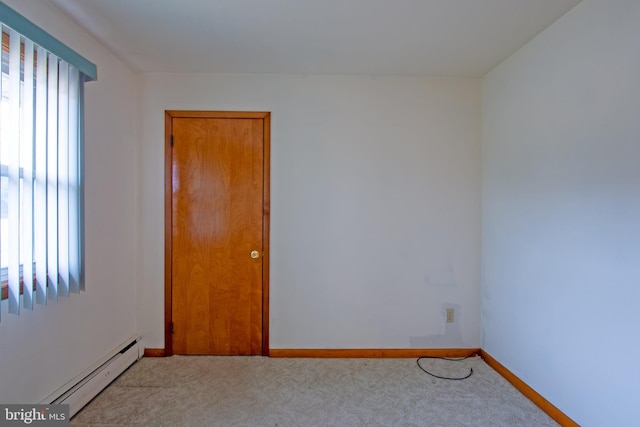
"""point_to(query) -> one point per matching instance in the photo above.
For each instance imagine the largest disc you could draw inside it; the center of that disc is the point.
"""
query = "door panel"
(217, 172)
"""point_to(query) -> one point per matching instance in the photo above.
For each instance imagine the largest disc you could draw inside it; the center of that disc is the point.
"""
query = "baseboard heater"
(82, 389)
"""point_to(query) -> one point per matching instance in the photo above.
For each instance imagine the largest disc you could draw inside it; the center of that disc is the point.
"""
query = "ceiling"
(371, 37)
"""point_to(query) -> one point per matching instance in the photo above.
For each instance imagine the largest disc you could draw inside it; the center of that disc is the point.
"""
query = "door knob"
(255, 254)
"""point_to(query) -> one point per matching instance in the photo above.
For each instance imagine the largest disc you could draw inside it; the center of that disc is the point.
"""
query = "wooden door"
(219, 207)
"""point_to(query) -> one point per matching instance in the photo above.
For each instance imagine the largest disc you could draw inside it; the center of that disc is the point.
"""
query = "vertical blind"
(41, 158)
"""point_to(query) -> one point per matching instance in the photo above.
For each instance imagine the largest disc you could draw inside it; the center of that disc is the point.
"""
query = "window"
(41, 144)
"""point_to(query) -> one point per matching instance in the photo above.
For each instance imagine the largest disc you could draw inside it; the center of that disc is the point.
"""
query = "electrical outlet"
(450, 315)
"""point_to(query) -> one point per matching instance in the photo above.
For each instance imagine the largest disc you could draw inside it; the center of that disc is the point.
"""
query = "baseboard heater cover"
(84, 388)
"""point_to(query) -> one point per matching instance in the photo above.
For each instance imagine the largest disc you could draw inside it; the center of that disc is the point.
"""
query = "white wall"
(561, 208)
(375, 205)
(41, 350)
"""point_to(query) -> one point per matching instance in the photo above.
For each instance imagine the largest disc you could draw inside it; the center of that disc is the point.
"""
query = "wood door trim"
(168, 223)
(266, 218)
(168, 220)
(196, 114)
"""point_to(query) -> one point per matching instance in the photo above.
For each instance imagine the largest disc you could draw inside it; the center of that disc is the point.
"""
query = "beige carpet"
(259, 391)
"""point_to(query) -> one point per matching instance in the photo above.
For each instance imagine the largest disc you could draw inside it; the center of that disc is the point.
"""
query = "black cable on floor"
(444, 358)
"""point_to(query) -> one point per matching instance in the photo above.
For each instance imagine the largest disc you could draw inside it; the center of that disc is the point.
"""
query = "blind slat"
(13, 163)
(63, 179)
(74, 180)
(2, 114)
(40, 184)
(26, 157)
(52, 178)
